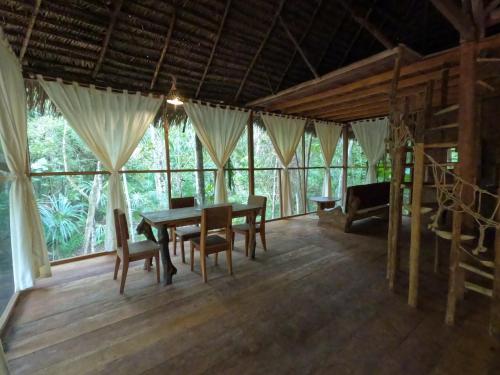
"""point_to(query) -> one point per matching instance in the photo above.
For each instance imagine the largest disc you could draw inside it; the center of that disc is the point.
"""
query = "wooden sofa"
(362, 201)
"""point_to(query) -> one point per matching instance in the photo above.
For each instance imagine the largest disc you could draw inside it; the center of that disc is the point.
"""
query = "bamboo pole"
(345, 160)
(495, 303)
(167, 156)
(251, 160)
(416, 203)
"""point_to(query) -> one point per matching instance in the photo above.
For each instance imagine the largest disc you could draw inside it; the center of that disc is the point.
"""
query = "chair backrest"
(182, 202)
(370, 195)
(262, 202)
(121, 229)
(218, 217)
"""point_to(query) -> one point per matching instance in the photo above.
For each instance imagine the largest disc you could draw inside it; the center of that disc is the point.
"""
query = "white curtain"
(29, 251)
(111, 124)
(285, 134)
(328, 134)
(218, 129)
(371, 135)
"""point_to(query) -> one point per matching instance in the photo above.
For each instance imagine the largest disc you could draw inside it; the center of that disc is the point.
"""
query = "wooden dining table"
(162, 220)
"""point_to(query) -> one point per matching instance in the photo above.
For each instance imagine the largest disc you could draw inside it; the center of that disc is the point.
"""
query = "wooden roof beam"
(302, 38)
(117, 5)
(455, 16)
(377, 34)
(31, 25)
(216, 42)
(259, 50)
(298, 47)
(164, 50)
(354, 39)
(334, 34)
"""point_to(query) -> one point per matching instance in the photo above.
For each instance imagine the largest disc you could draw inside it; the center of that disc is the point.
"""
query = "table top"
(324, 199)
(191, 214)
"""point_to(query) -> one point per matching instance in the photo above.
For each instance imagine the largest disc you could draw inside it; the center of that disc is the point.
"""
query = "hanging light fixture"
(173, 96)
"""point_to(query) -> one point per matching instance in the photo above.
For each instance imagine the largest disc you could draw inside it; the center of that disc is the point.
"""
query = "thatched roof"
(225, 50)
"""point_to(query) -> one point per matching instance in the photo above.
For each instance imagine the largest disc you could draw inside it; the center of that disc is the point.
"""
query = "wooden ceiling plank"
(29, 30)
(259, 50)
(298, 47)
(455, 16)
(363, 21)
(375, 90)
(216, 42)
(164, 49)
(117, 5)
(302, 38)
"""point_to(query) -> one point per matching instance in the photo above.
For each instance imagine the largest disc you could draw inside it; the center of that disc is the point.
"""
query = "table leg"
(168, 268)
(252, 240)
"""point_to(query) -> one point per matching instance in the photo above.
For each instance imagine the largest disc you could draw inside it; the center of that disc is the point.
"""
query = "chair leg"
(182, 251)
(436, 255)
(247, 241)
(149, 263)
(124, 275)
(263, 240)
(192, 257)
(233, 235)
(203, 260)
(229, 261)
(216, 259)
(117, 267)
(157, 265)
(174, 238)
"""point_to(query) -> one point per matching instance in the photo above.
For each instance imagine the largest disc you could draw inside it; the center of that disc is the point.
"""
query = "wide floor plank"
(316, 302)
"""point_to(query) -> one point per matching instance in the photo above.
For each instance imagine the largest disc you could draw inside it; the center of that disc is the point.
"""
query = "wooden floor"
(316, 302)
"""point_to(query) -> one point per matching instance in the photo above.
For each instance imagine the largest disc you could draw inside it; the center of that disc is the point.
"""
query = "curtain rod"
(33, 77)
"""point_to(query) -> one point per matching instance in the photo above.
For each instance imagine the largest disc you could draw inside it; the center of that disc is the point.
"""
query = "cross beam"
(259, 50)
(164, 50)
(455, 16)
(362, 21)
(31, 25)
(216, 42)
(297, 47)
(117, 5)
(302, 38)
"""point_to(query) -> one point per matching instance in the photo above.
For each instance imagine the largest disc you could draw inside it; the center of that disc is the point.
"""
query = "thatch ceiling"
(69, 36)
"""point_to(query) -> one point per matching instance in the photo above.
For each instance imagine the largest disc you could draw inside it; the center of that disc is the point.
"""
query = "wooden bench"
(362, 201)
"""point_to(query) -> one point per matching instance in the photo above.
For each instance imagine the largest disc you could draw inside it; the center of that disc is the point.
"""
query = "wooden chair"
(187, 232)
(213, 218)
(260, 227)
(131, 252)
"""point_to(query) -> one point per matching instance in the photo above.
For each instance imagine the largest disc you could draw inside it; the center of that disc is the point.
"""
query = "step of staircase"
(476, 270)
(478, 289)
(449, 109)
(453, 125)
(441, 145)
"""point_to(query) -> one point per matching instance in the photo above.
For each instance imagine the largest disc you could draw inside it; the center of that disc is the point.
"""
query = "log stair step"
(478, 289)
(441, 145)
(442, 127)
(447, 235)
(476, 270)
(488, 59)
(449, 109)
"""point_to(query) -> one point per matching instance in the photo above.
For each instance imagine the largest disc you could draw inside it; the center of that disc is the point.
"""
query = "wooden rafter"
(354, 39)
(455, 16)
(31, 25)
(492, 6)
(117, 5)
(334, 34)
(298, 47)
(259, 50)
(164, 50)
(302, 38)
(363, 21)
(216, 42)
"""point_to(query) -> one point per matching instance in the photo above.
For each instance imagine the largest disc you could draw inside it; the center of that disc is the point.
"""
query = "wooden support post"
(31, 25)
(345, 160)
(416, 203)
(251, 160)
(454, 280)
(396, 180)
(167, 155)
(495, 303)
(304, 177)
